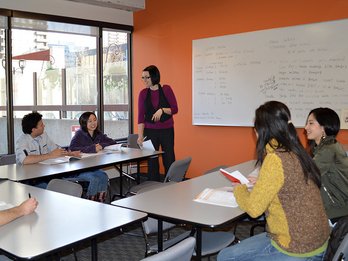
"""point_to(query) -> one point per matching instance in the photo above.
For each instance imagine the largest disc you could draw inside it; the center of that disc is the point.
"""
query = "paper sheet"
(217, 197)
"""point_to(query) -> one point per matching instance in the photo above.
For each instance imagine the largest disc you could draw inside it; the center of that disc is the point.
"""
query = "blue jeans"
(259, 248)
(98, 181)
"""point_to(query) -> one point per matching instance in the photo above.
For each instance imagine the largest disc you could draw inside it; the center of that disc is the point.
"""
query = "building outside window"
(56, 73)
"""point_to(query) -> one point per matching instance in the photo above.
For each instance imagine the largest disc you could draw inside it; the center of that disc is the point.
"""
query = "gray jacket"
(332, 161)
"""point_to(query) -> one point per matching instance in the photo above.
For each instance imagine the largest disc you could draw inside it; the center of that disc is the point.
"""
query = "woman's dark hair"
(84, 119)
(328, 119)
(273, 121)
(30, 121)
(154, 74)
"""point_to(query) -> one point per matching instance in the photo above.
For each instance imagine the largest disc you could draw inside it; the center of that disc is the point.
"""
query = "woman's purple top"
(168, 92)
(83, 142)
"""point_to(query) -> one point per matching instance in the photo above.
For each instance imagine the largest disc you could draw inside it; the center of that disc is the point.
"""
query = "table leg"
(138, 172)
(94, 249)
(121, 181)
(160, 235)
(199, 243)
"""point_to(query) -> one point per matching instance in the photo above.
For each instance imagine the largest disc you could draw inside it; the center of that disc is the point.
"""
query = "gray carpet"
(128, 244)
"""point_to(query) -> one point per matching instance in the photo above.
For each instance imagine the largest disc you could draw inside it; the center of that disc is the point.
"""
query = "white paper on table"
(114, 147)
(147, 145)
(59, 160)
(218, 197)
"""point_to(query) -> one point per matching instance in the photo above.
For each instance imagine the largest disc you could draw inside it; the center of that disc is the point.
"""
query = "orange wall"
(163, 35)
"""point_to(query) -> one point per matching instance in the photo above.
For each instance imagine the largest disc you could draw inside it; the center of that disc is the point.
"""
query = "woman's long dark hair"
(273, 121)
(83, 122)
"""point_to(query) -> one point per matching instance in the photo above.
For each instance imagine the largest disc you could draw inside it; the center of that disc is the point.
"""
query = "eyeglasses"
(145, 77)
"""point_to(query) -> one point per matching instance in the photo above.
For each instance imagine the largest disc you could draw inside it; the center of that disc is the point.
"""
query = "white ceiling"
(128, 5)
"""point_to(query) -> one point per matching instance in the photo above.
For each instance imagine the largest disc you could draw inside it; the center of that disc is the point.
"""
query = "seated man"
(34, 146)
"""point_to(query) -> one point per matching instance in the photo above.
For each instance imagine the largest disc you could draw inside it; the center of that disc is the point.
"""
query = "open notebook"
(220, 197)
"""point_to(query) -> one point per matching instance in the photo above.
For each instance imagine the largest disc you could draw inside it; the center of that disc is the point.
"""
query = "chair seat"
(212, 242)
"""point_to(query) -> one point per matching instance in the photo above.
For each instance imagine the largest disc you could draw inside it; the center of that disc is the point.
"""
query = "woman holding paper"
(89, 139)
(157, 105)
(287, 190)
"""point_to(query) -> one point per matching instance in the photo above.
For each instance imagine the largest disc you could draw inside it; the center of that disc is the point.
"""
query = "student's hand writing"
(98, 147)
(28, 206)
(157, 116)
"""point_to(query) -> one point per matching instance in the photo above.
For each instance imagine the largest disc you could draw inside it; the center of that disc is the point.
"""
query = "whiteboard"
(303, 66)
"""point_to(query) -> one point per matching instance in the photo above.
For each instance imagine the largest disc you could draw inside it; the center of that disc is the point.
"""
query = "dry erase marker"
(29, 195)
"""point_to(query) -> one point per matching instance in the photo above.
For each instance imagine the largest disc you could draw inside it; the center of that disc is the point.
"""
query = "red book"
(235, 176)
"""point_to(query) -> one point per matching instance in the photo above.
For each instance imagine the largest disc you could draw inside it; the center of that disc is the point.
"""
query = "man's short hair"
(30, 121)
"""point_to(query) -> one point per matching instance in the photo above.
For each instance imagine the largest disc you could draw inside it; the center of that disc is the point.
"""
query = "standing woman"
(322, 127)
(89, 139)
(287, 190)
(157, 105)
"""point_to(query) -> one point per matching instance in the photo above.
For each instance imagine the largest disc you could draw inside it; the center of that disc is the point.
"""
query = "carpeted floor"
(128, 244)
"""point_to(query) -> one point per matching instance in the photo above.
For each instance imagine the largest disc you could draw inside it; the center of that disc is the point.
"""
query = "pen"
(144, 138)
(29, 195)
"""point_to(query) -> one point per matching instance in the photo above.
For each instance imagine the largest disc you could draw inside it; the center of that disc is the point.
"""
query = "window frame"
(100, 107)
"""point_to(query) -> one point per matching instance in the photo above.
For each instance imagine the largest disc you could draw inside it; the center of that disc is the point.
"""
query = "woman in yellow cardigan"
(287, 190)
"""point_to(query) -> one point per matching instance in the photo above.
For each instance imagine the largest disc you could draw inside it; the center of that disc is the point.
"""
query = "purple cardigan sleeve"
(82, 142)
(104, 140)
(168, 92)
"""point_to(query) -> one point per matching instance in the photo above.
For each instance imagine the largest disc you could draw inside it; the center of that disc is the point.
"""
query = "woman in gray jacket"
(322, 127)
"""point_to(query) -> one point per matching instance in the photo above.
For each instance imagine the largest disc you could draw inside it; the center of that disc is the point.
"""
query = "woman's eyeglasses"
(145, 77)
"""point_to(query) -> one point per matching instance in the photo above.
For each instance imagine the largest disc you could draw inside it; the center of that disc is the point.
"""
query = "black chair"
(7, 159)
(176, 173)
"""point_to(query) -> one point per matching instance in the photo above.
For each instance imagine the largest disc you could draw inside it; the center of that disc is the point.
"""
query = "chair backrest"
(7, 159)
(132, 141)
(342, 251)
(150, 226)
(338, 239)
(65, 186)
(182, 251)
(177, 170)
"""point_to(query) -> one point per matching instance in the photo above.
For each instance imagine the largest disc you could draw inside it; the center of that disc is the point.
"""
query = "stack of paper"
(217, 197)
(59, 160)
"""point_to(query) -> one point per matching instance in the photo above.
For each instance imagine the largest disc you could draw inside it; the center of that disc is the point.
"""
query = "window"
(56, 73)
(115, 83)
(3, 94)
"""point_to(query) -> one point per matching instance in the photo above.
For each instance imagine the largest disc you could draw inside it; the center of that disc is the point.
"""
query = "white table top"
(59, 221)
(17, 172)
(175, 202)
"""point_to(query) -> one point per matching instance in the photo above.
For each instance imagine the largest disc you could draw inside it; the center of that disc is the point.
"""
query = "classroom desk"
(58, 222)
(174, 203)
(17, 172)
